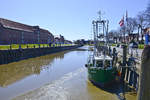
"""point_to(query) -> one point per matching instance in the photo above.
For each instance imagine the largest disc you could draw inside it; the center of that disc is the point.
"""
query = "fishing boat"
(101, 63)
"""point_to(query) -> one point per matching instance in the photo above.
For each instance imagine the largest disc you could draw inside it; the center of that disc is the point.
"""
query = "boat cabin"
(102, 61)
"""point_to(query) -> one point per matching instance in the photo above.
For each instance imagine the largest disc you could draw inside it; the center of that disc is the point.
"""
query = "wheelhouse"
(102, 61)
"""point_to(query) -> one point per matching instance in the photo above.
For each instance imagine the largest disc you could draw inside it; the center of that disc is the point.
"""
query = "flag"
(121, 23)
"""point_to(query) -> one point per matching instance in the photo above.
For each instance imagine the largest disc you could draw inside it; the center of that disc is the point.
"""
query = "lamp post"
(138, 32)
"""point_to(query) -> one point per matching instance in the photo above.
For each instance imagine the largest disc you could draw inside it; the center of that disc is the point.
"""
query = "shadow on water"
(119, 89)
(13, 72)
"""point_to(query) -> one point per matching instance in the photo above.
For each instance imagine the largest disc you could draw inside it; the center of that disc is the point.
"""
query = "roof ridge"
(15, 25)
(20, 26)
(14, 22)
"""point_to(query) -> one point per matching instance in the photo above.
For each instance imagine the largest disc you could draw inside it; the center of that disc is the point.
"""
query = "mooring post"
(135, 78)
(114, 51)
(124, 54)
(144, 86)
(124, 61)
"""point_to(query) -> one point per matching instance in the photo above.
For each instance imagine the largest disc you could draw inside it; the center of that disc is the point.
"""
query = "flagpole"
(127, 22)
(127, 31)
(124, 30)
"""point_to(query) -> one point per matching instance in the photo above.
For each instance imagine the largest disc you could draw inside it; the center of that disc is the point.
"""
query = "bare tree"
(128, 28)
(123, 32)
(147, 15)
(114, 34)
(142, 23)
(143, 20)
(132, 25)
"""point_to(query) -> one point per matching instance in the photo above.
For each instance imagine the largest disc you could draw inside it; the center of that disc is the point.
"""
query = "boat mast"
(100, 31)
(94, 32)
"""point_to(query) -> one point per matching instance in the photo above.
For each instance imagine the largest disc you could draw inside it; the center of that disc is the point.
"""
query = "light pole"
(138, 32)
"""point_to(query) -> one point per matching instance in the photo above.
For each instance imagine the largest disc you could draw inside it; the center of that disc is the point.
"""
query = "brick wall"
(13, 36)
(17, 33)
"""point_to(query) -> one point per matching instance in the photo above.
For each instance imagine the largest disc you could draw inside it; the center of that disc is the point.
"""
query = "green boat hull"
(102, 77)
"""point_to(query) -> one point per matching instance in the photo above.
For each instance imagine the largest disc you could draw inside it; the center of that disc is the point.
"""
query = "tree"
(114, 34)
(147, 15)
(122, 32)
(141, 21)
(131, 25)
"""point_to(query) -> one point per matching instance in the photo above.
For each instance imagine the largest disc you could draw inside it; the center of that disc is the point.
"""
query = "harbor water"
(59, 76)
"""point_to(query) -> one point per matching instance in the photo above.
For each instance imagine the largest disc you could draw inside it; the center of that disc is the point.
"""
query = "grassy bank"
(24, 46)
(140, 46)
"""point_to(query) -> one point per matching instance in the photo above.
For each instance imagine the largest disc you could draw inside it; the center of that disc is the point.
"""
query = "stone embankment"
(7, 56)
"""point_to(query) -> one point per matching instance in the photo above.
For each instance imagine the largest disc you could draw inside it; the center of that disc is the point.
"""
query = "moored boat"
(101, 67)
(100, 70)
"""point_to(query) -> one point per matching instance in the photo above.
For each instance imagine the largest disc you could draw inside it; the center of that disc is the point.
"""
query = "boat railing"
(108, 68)
(98, 54)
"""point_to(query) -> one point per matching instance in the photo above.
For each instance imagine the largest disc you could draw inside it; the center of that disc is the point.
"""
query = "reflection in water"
(10, 73)
(59, 76)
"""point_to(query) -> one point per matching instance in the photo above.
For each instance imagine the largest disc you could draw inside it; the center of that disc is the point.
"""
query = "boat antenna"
(100, 14)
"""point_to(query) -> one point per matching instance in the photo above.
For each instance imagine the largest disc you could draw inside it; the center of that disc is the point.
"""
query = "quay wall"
(8, 56)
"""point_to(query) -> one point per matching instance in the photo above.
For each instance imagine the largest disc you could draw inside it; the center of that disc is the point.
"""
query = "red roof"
(15, 25)
(19, 26)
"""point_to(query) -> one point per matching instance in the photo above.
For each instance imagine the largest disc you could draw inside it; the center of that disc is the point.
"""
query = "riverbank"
(8, 56)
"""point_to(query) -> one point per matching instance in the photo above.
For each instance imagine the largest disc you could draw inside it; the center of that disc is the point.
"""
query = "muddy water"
(60, 76)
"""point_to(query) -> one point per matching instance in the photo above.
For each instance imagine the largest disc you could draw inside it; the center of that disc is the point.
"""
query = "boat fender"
(86, 65)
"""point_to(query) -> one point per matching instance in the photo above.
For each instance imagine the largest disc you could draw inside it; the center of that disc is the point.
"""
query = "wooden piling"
(135, 79)
(131, 79)
(144, 86)
(124, 62)
(127, 74)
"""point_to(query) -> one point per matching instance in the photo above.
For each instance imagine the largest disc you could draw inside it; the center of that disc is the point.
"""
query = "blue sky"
(71, 18)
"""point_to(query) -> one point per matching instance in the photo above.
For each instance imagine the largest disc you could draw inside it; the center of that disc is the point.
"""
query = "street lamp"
(138, 32)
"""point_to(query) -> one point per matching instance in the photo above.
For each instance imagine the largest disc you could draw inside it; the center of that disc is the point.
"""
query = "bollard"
(144, 86)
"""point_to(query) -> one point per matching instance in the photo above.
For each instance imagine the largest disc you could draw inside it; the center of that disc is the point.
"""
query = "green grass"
(114, 45)
(141, 46)
(6, 47)
(24, 46)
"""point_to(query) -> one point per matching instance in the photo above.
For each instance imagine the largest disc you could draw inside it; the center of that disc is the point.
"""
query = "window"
(99, 63)
(107, 63)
